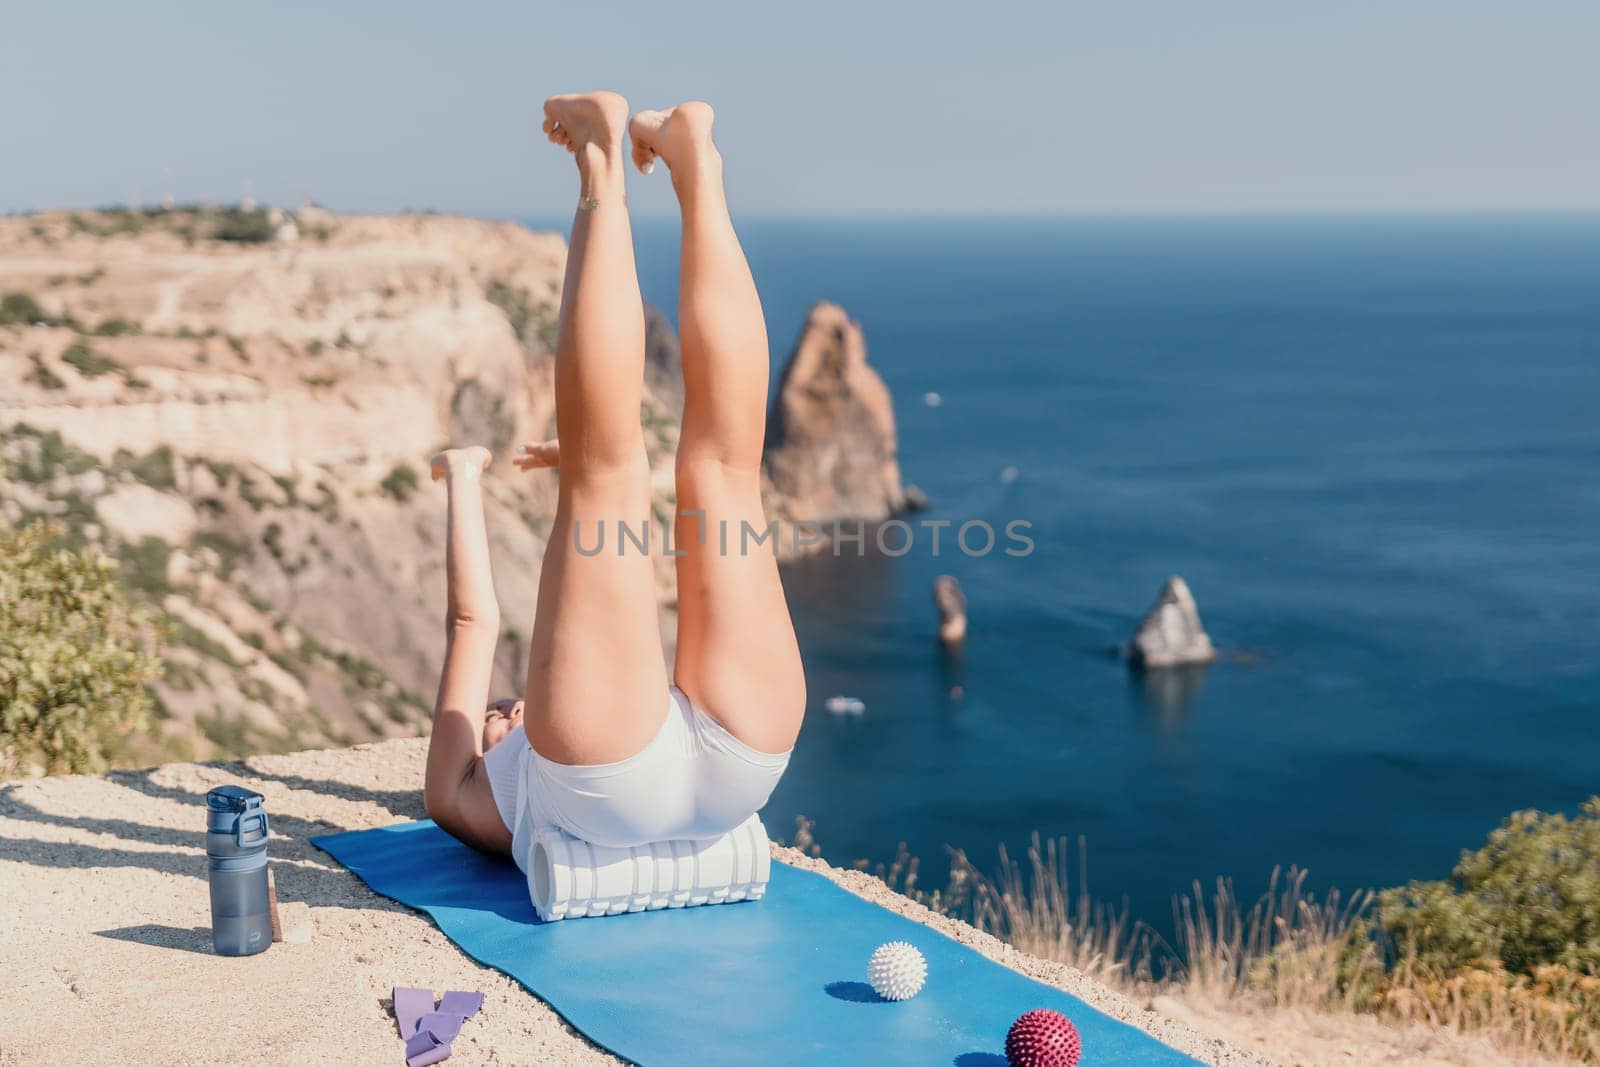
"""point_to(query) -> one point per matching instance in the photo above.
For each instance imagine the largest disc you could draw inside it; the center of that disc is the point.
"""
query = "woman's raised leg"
(597, 684)
(737, 656)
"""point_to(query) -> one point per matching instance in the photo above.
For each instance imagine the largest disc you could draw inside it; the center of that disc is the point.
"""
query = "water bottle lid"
(233, 798)
(248, 824)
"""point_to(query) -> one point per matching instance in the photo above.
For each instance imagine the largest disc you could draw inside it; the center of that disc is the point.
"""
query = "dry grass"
(1289, 949)
(1042, 913)
(1550, 1014)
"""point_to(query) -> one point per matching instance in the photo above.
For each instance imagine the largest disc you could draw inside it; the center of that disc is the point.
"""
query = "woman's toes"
(678, 136)
(643, 158)
(580, 119)
(644, 131)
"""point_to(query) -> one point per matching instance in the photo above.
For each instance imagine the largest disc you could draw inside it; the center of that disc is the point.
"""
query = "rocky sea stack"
(832, 451)
(1170, 634)
(951, 603)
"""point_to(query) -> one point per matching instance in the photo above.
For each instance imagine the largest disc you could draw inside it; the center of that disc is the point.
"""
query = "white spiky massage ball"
(897, 971)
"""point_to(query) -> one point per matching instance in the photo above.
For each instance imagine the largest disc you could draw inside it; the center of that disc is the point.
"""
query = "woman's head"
(499, 720)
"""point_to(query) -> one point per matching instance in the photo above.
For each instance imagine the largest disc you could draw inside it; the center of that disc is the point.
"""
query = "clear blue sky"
(825, 108)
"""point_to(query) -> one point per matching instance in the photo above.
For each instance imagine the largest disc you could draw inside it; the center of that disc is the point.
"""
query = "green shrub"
(42, 376)
(272, 537)
(116, 326)
(516, 303)
(244, 227)
(250, 494)
(230, 553)
(1528, 898)
(21, 309)
(87, 361)
(327, 502)
(233, 735)
(146, 564)
(548, 326)
(157, 468)
(114, 221)
(287, 486)
(43, 454)
(401, 482)
(76, 656)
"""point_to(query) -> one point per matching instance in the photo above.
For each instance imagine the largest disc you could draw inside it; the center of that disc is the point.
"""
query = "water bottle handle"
(244, 820)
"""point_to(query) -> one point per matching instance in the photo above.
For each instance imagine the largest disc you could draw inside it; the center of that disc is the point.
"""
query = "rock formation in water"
(245, 422)
(832, 451)
(952, 605)
(1170, 634)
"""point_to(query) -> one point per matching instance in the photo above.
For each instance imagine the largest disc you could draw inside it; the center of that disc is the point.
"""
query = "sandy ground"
(104, 937)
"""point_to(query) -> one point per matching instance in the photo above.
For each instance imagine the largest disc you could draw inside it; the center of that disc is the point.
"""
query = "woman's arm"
(456, 790)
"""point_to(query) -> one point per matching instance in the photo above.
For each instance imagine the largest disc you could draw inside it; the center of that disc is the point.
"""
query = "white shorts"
(693, 781)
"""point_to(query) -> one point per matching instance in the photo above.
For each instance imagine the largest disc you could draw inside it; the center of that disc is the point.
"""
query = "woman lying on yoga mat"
(602, 745)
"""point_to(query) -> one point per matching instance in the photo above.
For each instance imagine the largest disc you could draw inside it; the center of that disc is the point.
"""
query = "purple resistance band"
(465, 1005)
(410, 1005)
(423, 1048)
(427, 1030)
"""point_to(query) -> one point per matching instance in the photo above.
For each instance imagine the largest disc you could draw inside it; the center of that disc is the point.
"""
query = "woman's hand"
(545, 454)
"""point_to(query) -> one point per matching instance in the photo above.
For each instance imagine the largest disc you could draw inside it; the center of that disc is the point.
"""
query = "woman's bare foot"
(589, 125)
(453, 462)
(538, 456)
(680, 136)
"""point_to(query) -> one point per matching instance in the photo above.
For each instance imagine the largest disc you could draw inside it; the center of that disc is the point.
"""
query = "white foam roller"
(573, 879)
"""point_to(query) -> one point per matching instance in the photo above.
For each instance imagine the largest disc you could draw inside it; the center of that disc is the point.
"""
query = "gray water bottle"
(236, 847)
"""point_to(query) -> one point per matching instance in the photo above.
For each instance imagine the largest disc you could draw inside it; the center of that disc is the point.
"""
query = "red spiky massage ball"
(1043, 1038)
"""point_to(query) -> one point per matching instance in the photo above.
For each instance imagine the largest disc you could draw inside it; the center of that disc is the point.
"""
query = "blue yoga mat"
(776, 981)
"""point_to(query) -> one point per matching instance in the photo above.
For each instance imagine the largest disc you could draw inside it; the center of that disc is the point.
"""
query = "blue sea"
(1371, 446)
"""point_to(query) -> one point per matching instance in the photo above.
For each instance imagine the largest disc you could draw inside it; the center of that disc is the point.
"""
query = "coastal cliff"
(240, 406)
